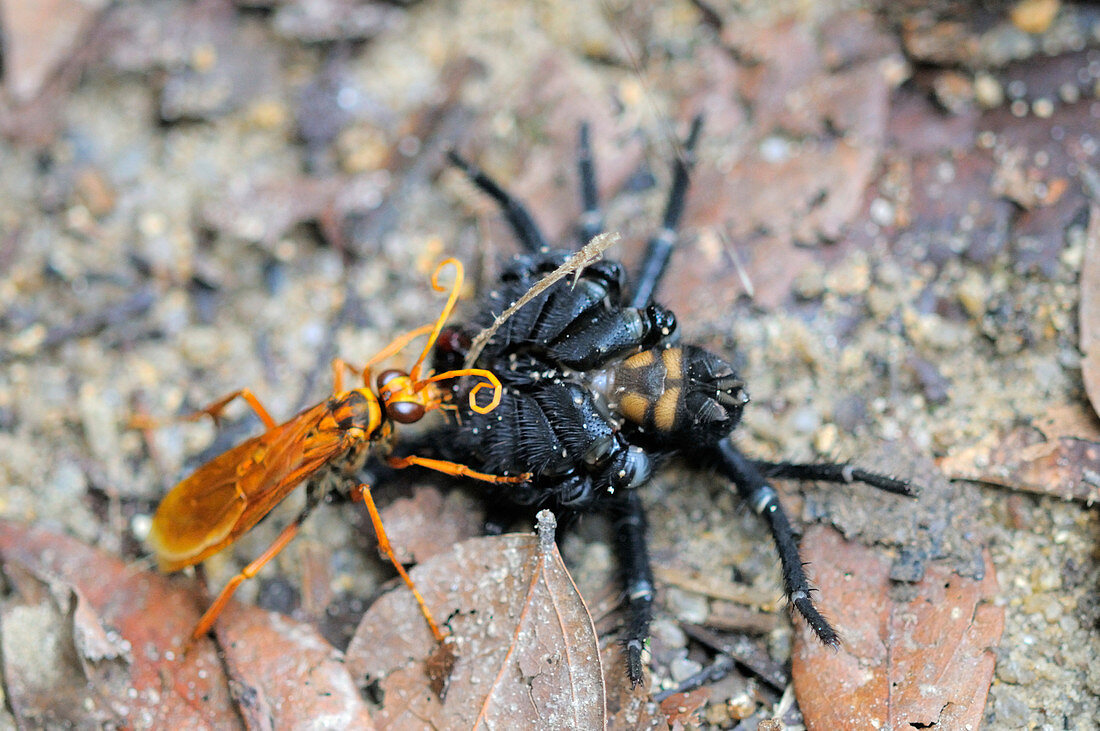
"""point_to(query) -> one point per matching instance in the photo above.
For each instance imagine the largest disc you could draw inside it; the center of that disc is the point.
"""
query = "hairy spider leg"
(519, 218)
(629, 519)
(749, 477)
(764, 500)
(590, 224)
(632, 547)
(833, 472)
(660, 246)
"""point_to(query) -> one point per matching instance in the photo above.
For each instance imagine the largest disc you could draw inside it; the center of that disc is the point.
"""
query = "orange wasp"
(228, 495)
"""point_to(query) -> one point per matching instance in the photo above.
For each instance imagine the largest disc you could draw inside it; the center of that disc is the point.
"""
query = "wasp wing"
(229, 494)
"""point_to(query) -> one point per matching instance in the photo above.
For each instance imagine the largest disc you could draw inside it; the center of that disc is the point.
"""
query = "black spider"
(598, 392)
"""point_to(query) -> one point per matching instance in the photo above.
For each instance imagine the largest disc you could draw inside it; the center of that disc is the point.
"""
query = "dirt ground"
(889, 216)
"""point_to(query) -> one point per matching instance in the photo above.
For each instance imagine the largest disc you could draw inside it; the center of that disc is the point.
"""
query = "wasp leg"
(206, 622)
(362, 492)
(215, 409)
(519, 218)
(763, 499)
(339, 365)
(633, 554)
(455, 469)
(660, 247)
(834, 472)
(590, 223)
(398, 344)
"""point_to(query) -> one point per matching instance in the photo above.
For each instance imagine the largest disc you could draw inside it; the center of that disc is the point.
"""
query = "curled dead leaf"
(1036, 460)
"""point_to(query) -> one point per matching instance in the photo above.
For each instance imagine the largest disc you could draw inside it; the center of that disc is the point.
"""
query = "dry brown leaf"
(683, 708)
(921, 661)
(1069, 420)
(59, 665)
(527, 650)
(151, 614)
(263, 212)
(38, 37)
(1029, 459)
(797, 173)
(1089, 313)
(285, 674)
(430, 522)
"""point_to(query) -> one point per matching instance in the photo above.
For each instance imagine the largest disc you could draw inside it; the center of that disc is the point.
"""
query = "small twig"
(743, 652)
(712, 673)
(589, 254)
(739, 266)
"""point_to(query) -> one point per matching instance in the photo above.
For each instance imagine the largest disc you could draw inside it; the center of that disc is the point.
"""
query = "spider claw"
(634, 661)
(815, 619)
(885, 482)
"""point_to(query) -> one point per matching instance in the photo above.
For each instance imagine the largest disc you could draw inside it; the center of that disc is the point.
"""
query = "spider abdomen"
(684, 393)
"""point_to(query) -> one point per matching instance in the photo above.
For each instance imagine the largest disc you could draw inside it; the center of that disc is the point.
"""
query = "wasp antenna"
(452, 298)
(492, 382)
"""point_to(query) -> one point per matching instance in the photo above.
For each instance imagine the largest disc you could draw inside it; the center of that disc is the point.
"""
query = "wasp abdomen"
(686, 393)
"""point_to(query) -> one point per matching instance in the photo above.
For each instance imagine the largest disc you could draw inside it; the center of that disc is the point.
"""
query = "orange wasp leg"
(455, 469)
(206, 622)
(339, 365)
(215, 409)
(363, 493)
(398, 344)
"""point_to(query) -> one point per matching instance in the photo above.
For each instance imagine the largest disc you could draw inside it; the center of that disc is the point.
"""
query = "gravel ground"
(168, 246)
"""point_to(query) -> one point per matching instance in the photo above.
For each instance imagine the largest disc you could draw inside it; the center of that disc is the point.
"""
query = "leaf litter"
(1089, 312)
(125, 623)
(919, 657)
(527, 652)
(1006, 356)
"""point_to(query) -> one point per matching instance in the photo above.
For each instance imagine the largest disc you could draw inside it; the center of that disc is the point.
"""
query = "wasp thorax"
(357, 409)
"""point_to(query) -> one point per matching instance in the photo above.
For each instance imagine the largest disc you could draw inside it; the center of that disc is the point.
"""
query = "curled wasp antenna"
(491, 381)
(452, 298)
